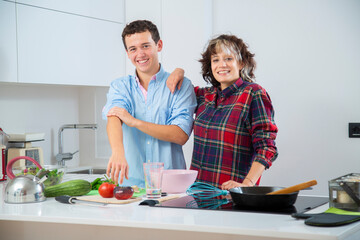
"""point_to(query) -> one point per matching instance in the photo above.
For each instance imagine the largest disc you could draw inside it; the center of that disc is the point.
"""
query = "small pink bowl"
(177, 180)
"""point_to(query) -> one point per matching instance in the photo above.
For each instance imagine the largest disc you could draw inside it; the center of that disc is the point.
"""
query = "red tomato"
(106, 190)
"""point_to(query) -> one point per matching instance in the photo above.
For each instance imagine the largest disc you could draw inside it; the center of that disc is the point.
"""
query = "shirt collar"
(158, 75)
(227, 92)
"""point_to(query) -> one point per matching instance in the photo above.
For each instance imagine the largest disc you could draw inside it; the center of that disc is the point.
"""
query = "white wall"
(42, 108)
(28, 108)
(308, 56)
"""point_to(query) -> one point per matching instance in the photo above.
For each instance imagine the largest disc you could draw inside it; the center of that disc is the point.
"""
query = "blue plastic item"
(202, 190)
(207, 203)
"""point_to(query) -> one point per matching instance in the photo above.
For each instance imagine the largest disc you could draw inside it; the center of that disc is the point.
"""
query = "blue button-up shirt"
(160, 107)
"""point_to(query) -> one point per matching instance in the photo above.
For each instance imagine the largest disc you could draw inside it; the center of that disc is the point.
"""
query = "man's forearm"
(169, 133)
(115, 135)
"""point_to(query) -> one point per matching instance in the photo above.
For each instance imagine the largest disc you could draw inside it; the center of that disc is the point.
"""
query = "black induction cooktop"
(302, 204)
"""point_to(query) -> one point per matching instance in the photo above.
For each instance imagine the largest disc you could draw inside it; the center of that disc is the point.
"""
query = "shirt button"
(148, 160)
(148, 142)
(148, 108)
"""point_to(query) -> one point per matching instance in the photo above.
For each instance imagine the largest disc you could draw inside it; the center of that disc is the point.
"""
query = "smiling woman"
(234, 129)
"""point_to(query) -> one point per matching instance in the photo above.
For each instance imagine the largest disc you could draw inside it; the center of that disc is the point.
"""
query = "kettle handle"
(9, 171)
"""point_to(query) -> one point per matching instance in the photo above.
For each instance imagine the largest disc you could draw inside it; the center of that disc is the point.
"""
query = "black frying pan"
(256, 197)
(268, 197)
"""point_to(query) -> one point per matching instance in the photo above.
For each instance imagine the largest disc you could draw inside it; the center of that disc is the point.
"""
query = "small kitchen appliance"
(21, 145)
(344, 192)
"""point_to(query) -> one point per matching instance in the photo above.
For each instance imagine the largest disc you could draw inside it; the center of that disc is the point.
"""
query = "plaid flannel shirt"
(232, 129)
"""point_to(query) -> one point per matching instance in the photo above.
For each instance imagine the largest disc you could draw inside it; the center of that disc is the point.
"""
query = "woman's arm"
(250, 180)
(175, 79)
(263, 133)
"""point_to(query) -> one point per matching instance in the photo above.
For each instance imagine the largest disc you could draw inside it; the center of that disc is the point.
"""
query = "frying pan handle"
(9, 171)
(294, 188)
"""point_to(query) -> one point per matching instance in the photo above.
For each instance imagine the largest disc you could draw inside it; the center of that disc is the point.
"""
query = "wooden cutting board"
(98, 198)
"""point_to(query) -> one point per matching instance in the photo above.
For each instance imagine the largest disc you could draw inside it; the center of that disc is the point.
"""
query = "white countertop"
(144, 222)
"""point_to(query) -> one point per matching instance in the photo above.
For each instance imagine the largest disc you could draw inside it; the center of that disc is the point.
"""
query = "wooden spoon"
(294, 188)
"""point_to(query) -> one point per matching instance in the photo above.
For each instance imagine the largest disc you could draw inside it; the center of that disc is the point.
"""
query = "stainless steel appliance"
(24, 188)
(344, 192)
(21, 145)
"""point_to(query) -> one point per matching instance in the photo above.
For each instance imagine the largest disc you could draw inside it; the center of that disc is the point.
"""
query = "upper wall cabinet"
(8, 58)
(186, 27)
(60, 48)
(111, 10)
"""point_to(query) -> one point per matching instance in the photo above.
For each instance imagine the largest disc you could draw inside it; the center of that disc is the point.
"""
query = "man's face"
(143, 52)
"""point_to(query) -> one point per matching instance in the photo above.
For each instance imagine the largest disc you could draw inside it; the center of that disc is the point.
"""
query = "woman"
(234, 129)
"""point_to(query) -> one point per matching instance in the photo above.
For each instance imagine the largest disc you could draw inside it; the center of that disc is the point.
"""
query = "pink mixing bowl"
(177, 180)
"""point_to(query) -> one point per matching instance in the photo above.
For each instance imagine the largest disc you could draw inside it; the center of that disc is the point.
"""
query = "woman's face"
(225, 68)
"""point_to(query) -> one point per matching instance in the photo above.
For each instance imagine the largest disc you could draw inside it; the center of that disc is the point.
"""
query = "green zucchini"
(72, 188)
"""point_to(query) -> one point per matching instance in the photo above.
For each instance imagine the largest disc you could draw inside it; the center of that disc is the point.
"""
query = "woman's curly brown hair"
(237, 47)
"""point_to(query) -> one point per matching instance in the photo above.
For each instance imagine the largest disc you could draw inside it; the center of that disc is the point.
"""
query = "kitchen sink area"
(87, 173)
(87, 170)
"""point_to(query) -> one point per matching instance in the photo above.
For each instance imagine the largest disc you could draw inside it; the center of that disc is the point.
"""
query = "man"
(157, 122)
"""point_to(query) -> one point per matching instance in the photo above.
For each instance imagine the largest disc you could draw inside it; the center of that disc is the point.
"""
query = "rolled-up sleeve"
(182, 113)
(264, 129)
(118, 96)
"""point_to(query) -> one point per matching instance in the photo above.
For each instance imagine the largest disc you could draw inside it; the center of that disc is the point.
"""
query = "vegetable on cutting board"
(106, 190)
(123, 193)
(72, 188)
(98, 181)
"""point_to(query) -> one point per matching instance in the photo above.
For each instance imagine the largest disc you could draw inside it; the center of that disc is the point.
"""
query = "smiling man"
(145, 122)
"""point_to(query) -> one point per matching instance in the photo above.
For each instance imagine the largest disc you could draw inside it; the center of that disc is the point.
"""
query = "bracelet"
(250, 181)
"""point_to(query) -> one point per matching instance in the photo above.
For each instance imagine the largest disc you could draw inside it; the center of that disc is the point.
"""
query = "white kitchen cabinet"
(144, 9)
(61, 48)
(111, 10)
(8, 57)
(186, 28)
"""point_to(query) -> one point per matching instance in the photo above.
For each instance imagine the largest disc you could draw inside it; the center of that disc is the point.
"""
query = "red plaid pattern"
(232, 129)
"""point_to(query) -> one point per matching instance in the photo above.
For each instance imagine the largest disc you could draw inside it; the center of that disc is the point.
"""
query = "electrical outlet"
(354, 130)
